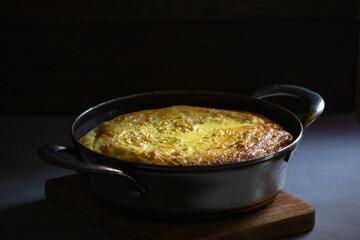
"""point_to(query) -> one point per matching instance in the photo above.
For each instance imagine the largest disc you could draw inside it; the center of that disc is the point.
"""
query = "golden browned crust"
(187, 136)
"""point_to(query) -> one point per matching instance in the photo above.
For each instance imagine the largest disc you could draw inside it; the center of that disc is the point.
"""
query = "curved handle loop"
(315, 103)
(52, 154)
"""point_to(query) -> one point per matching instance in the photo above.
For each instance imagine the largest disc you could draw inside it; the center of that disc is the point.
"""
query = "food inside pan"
(187, 136)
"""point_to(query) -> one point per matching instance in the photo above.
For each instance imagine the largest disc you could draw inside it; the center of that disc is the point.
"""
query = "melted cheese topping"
(187, 136)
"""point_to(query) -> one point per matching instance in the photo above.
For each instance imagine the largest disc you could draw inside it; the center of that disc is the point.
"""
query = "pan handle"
(54, 154)
(315, 103)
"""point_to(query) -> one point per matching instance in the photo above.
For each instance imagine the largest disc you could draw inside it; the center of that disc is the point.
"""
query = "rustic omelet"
(187, 136)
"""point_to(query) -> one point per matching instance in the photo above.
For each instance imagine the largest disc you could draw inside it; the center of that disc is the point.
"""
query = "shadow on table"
(45, 220)
(297, 236)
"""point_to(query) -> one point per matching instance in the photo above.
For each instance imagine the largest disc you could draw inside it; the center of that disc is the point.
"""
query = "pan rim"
(121, 164)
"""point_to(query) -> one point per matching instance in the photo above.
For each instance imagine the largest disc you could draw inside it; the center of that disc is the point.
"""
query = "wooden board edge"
(298, 223)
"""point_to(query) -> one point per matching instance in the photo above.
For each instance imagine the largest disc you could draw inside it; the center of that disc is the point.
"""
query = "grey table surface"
(324, 172)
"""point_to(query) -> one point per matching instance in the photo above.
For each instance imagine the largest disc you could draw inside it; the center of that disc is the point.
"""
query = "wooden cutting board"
(286, 215)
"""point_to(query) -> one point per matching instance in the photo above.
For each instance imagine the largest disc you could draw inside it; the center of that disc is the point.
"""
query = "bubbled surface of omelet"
(187, 136)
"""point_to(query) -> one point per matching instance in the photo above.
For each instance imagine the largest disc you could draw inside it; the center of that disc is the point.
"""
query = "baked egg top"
(187, 136)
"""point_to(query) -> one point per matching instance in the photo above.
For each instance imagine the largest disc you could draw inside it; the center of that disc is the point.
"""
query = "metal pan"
(187, 192)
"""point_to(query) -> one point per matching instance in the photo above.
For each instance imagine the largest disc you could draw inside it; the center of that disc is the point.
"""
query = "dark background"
(62, 58)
